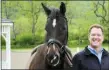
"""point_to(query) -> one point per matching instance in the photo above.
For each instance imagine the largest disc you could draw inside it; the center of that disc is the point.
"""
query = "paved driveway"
(19, 59)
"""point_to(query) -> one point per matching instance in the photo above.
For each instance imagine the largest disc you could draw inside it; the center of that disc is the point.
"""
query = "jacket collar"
(87, 52)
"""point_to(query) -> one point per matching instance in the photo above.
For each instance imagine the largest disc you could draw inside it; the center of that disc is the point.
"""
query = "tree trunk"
(6, 11)
(33, 19)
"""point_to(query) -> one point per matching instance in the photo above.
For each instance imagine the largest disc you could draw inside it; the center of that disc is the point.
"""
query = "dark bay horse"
(54, 53)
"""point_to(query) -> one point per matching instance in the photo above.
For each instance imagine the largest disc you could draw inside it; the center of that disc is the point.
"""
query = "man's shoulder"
(105, 52)
(78, 56)
(81, 53)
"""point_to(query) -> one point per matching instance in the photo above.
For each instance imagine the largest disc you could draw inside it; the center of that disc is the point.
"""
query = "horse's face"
(56, 33)
(56, 26)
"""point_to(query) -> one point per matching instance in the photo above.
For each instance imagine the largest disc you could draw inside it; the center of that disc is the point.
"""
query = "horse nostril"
(49, 56)
(55, 57)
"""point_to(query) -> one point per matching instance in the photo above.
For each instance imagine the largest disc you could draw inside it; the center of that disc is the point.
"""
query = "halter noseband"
(53, 41)
(62, 48)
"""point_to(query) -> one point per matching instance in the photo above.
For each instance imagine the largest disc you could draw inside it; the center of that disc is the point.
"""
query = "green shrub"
(73, 43)
(85, 42)
(22, 46)
(27, 39)
(2, 41)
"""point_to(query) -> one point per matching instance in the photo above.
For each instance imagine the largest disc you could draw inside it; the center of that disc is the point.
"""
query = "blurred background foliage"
(29, 21)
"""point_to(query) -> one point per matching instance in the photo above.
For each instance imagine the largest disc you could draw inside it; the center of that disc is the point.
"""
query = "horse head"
(56, 33)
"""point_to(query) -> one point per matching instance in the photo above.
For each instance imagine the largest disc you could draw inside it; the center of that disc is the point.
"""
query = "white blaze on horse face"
(48, 50)
(53, 47)
(54, 22)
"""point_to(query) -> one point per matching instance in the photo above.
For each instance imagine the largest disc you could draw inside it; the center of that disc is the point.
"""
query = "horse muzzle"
(53, 60)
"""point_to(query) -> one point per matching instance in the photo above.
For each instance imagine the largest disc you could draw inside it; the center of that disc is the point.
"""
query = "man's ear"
(46, 9)
(62, 8)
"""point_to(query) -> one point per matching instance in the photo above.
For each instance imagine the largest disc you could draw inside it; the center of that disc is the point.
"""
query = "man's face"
(96, 37)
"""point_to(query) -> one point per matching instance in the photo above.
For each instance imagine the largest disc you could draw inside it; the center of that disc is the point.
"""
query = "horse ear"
(47, 10)
(62, 8)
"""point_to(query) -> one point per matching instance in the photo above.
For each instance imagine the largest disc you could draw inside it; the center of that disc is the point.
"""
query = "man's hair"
(96, 26)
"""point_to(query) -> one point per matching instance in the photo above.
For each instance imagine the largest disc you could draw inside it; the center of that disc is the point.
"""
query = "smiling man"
(94, 56)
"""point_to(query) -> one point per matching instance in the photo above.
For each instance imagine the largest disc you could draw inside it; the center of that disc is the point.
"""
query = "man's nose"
(95, 37)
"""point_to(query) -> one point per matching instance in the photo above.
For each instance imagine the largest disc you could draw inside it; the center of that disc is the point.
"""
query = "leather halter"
(62, 49)
(60, 46)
